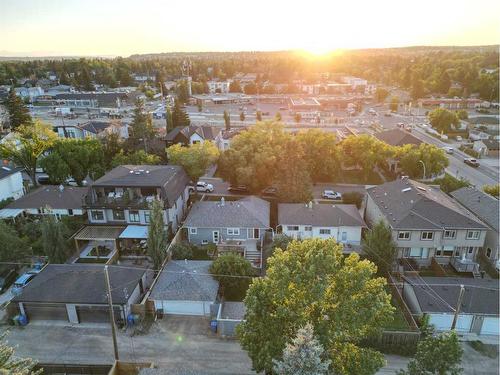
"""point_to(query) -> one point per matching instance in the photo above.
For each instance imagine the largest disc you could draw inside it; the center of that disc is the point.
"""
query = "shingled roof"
(408, 204)
(326, 215)
(51, 196)
(479, 203)
(398, 137)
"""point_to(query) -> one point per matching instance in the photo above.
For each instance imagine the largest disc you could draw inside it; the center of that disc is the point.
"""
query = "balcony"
(118, 202)
(464, 265)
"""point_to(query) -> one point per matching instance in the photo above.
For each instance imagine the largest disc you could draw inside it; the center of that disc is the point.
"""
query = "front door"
(215, 236)
(256, 233)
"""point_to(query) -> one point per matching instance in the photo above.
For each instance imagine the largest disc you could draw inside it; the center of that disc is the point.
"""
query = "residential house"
(478, 135)
(48, 200)
(426, 223)
(11, 183)
(487, 147)
(93, 129)
(487, 208)
(223, 142)
(77, 293)
(488, 122)
(341, 222)
(185, 287)
(436, 297)
(397, 137)
(29, 92)
(238, 226)
(192, 134)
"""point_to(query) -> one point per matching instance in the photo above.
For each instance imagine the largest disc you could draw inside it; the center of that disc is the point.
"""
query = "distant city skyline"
(121, 28)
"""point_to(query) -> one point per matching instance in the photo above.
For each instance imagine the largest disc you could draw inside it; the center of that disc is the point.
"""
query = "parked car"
(203, 187)
(270, 191)
(238, 189)
(330, 194)
(459, 138)
(472, 162)
(448, 150)
(7, 277)
(21, 282)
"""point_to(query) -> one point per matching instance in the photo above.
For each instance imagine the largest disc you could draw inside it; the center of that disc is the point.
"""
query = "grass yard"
(359, 178)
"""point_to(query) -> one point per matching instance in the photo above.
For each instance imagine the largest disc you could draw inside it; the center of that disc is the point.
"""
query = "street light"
(423, 165)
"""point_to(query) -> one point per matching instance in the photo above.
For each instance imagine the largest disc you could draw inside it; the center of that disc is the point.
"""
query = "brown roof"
(398, 137)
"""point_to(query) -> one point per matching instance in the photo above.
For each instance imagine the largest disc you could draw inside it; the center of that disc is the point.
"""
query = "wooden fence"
(437, 268)
(395, 288)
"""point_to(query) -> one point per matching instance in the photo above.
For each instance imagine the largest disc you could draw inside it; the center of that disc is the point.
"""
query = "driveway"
(173, 342)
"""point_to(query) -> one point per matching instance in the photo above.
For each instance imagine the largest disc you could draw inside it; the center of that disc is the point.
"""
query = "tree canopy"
(433, 157)
(442, 119)
(14, 247)
(380, 247)
(19, 114)
(13, 365)
(239, 273)
(195, 159)
(157, 235)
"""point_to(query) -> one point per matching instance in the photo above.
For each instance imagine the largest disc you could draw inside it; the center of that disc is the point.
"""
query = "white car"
(203, 187)
(330, 194)
(448, 150)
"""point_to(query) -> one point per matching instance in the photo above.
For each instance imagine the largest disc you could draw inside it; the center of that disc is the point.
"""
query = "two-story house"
(339, 221)
(189, 135)
(234, 226)
(427, 223)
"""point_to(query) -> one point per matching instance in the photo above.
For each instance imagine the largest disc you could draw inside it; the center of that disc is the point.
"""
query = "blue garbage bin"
(23, 320)
(213, 326)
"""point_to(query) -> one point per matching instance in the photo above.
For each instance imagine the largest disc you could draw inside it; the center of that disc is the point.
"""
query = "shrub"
(181, 251)
(352, 197)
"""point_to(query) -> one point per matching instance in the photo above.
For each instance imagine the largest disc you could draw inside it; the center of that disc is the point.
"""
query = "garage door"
(442, 322)
(183, 307)
(96, 314)
(491, 326)
(45, 311)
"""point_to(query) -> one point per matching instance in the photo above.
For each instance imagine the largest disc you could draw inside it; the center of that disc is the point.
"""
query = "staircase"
(254, 257)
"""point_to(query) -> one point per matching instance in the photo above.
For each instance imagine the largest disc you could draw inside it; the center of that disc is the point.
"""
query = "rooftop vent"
(406, 189)
(421, 188)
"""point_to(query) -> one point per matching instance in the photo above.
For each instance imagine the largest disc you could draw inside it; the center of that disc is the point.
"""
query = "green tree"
(157, 234)
(297, 118)
(227, 120)
(234, 86)
(393, 106)
(195, 159)
(313, 282)
(179, 115)
(258, 115)
(13, 365)
(442, 119)
(169, 120)
(462, 114)
(448, 183)
(411, 159)
(365, 152)
(303, 356)
(135, 158)
(234, 273)
(142, 125)
(436, 355)
(111, 145)
(19, 114)
(493, 190)
(352, 197)
(278, 117)
(27, 145)
(14, 248)
(54, 239)
(381, 94)
(242, 116)
(182, 91)
(380, 247)
(281, 241)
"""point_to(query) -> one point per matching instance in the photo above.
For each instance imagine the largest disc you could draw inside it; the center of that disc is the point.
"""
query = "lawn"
(359, 178)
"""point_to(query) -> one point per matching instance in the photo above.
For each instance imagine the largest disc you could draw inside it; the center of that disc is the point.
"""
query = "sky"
(125, 27)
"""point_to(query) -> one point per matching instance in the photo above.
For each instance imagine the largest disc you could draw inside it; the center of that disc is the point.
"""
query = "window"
(450, 234)
(471, 250)
(404, 235)
(292, 227)
(70, 211)
(325, 231)
(147, 216)
(204, 242)
(233, 231)
(488, 252)
(427, 236)
(419, 252)
(134, 217)
(344, 236)
(118, 215)
(472, 235)
(308, 228)
(193, 230)
(445, 251)
(97, 215)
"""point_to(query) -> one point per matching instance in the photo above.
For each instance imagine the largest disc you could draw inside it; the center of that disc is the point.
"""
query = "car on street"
(238, 189)
(448, 150)
(202, 187)
(270, 191)
(472, 162)
(330, 194)
(459, 138)
(21, 282)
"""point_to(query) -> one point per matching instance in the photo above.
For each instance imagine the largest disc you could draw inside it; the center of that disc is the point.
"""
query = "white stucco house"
(11, 183)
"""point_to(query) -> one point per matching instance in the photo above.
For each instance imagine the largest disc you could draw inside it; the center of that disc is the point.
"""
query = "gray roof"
(491, 144)
(95, 126)
(172, 179)
(408, 204)
(52, 196)
(397, 137)
(481, 204)
(325, 215)
(233, 310)
(80, 283)
(206, 132)
(7, 171)
(481, 295)
(249, 212)
(488, 120)
(186, 281)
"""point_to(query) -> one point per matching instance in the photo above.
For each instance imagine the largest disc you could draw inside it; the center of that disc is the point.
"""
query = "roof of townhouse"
(206, 132)
(249, 212)
(326, 215)
(408, 204)
(397, 137)
(52, 196)
(491, 144)
(95, 126)
(479, 203)
(171, 178)
(7, 171)
(481, 295)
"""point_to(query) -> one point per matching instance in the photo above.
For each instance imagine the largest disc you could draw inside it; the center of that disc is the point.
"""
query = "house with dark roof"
(192, 134)
(238, 226)
(487, 147)
(77, 293)
(185, 287)
(93, 129)
(427, 223)
(487, 208)
(339, 221)
(397, 137)
(11, 183)
(436, 298)
(48, 200)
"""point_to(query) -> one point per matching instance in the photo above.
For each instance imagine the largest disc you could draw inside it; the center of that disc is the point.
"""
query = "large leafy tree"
(303, 356)
(234, 274)
(54, 239)
(195, 159)
(19, 114)
(13, 365)
(27, 145)
(14, 248)
(313, 282)
(380, 247)
(157, 234)
(442, 119)
(227, 120)
(365, 152)
(135, 158)
(436, 355)
(411, 159)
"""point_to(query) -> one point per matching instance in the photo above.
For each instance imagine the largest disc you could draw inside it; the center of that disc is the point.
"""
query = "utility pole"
(457, 309)
(111, 313)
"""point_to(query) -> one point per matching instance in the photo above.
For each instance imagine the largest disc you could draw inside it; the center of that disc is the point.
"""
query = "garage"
(185, 288)
(96, 314)
(491, 326)
(442, 322)
(45, 311)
